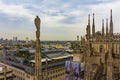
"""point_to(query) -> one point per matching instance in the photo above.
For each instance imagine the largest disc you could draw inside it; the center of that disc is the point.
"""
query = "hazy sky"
(60, 19)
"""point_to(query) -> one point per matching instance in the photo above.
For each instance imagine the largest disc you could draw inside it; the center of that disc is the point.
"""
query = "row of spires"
(93, 25)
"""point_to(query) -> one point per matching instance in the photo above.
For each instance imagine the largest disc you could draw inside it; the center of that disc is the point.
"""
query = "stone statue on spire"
(37, 24)
(38, 64)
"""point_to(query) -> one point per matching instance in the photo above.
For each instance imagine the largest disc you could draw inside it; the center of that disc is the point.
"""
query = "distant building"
(15, 39)
(27, 39)
(53, 65)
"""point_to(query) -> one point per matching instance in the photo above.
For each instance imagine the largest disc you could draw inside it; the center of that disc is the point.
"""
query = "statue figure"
(37, 24)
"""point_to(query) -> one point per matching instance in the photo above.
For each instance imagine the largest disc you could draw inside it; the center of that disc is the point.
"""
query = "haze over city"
(60, 19)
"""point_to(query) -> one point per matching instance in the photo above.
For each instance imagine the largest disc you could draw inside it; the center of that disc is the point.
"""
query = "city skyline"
(60, 19)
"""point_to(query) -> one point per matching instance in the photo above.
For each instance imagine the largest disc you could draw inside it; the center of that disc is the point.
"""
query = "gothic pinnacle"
(93, 26)
(107, 26)
(102, 26)
(88, 19)
(111, 23)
